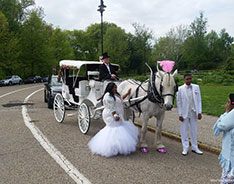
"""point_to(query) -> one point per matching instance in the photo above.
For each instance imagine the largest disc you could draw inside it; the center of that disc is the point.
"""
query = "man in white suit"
(189, 110)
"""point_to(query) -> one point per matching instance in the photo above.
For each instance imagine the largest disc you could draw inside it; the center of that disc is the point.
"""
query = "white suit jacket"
(183, 101)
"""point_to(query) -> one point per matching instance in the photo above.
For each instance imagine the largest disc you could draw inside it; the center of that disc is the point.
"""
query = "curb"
(205, 147)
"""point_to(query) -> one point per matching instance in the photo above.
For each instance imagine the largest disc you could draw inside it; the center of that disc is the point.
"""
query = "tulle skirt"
(119, 137)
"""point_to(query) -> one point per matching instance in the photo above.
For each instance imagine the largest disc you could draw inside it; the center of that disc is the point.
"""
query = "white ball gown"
(117, 137)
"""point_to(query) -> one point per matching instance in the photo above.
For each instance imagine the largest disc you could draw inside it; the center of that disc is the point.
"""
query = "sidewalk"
(205, 133)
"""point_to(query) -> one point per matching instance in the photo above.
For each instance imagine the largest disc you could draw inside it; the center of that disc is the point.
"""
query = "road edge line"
(53, 152)
(18, 90)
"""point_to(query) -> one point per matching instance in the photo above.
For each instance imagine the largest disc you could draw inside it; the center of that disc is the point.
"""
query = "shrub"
(229, 63)
(230, 72)
(141, 78)
(194, 80)
(227, 82)
(207, 65)
(212, 79)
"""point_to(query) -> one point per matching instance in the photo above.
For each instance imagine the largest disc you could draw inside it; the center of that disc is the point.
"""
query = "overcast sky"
(157, 15)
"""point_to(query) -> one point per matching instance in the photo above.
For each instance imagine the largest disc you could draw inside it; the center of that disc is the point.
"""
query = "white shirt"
(191, 100)
(108, 67)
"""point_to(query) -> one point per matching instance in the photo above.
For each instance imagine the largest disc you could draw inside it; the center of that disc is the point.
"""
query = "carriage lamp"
(101, 9)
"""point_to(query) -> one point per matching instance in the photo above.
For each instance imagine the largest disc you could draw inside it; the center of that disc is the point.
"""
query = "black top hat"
(105, 55)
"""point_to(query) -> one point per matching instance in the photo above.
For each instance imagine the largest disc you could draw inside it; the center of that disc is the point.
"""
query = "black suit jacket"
(104, 73)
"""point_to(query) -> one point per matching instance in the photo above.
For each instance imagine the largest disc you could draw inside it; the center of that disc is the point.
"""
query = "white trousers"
(192, 121)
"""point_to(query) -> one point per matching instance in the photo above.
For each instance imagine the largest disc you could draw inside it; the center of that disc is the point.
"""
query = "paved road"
(23, 160)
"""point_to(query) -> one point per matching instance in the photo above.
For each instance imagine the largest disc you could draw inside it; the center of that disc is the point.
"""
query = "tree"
(212, 40)
(15, 12)
(195, 46)
(229, 63)
(219, 46)
(140, 45)
(87, 44)
(225, 44)
(61, 48)
(171, 46)
(34, 45)
(92, 40)
(9, 50)
(116, 44)
(77, 40)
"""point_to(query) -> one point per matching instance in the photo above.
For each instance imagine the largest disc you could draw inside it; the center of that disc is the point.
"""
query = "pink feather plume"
(167, 66)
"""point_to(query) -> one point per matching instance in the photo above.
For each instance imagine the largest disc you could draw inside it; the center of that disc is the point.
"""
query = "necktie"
(190, 86)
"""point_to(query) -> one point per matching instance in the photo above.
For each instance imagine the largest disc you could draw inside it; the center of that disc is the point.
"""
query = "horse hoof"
(162, 150)
(144, 150)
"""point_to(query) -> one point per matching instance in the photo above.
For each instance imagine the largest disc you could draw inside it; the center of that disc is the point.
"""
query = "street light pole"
(101, 10)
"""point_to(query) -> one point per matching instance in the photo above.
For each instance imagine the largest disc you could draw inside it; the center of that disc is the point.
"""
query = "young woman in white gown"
(118, 136)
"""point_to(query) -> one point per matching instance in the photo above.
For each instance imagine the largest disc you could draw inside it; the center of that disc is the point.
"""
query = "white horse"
(159, 93)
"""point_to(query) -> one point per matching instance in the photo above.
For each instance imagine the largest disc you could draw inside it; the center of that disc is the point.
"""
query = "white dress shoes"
(184, 152)
(197, 151)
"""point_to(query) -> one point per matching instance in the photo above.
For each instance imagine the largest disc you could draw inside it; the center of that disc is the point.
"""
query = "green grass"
(214, 98)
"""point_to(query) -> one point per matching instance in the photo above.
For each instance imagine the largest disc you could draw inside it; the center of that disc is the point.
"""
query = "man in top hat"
(107, 71)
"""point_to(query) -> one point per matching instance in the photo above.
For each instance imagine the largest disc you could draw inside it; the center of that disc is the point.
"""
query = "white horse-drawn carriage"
(81, 90)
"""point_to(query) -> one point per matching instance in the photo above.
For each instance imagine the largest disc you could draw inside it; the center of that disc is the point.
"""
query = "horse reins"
(152, 93)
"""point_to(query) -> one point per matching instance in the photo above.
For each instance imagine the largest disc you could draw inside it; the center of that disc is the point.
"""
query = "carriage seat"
(70, 81)
(83, 89)
(97, 89)
(93, 75)
(73, 84)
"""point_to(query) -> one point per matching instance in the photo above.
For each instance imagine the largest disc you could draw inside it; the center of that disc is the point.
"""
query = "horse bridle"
(152, 93)
(175, 90)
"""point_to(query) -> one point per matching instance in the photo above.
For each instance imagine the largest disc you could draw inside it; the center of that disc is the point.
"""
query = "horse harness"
(152, 93)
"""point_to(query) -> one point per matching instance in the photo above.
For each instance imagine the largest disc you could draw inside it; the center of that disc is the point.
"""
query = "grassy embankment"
(214, 98)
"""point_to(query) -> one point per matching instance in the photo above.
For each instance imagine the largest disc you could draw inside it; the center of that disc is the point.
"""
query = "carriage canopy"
(76, 65)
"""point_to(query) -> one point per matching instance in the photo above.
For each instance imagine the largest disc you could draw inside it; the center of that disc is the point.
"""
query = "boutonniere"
(196, 92)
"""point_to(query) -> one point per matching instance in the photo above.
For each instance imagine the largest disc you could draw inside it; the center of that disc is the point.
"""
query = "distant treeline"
(30, 46)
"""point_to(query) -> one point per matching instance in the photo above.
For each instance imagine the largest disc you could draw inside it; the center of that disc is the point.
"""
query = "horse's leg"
(127, 113)
(158, 134)
(143, 144)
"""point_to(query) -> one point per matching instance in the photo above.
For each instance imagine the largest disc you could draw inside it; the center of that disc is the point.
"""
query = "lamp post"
(101, 9)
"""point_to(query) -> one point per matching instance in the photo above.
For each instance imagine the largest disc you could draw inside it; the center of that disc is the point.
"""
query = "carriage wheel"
(84, 118)
(59, 108)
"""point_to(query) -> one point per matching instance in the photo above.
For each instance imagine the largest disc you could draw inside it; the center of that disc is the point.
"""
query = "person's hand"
(199, 116)
(181, 118)
(117, 119)
(228, 106)
(116, 116)
(113, 76)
